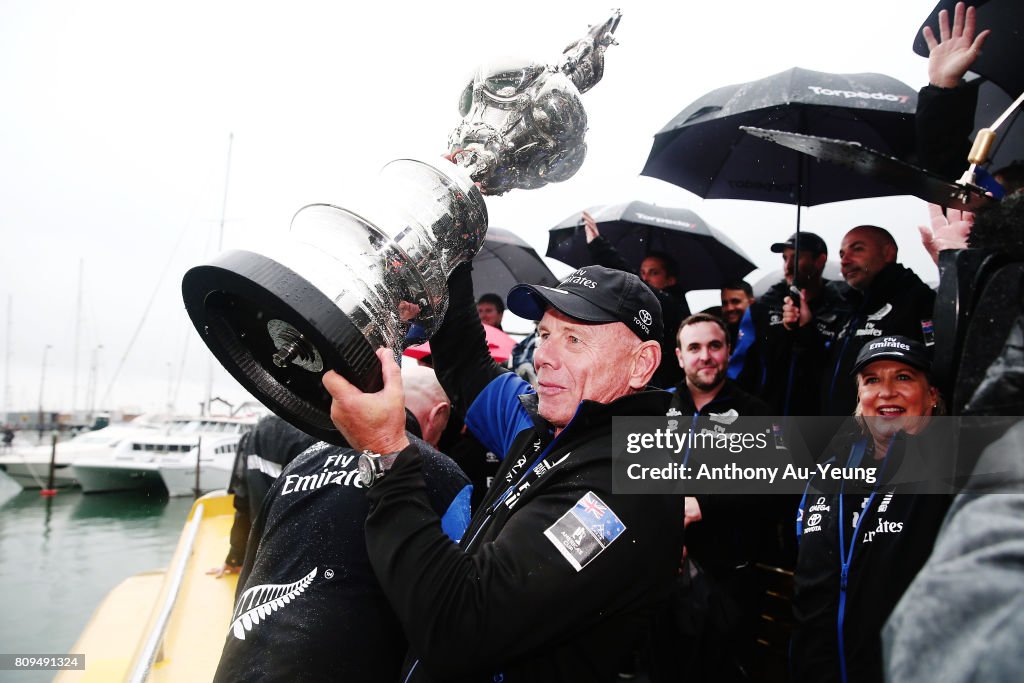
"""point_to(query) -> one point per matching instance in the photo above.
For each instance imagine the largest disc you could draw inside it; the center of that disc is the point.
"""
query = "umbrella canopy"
(498, 343)
(906, 178)
(1001, 57)
(706, 257)
(703, 150)
(767, 281)
(504, 261)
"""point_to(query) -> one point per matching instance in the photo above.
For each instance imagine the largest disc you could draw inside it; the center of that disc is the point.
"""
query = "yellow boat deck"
(126, 625)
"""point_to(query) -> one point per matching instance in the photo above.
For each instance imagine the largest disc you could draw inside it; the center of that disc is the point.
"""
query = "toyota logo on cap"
(645, 317)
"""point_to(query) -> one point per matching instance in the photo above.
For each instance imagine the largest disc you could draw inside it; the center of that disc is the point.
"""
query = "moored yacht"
(135, 463)
(30, 465)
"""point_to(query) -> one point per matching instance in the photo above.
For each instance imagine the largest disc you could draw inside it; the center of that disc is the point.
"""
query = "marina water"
(60, 556)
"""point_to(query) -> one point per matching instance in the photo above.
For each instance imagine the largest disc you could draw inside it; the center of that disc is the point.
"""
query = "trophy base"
(368, 279)
(277, 334)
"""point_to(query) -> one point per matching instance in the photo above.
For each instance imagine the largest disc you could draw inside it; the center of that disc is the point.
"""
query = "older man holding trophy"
(557, 573)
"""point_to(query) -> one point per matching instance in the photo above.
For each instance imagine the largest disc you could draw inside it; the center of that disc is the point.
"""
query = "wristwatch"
(373, 467)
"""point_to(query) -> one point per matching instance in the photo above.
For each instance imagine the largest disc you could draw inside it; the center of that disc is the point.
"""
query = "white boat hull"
(35, 475)
(167, 461)
(100, 478)
(30, 467)
(180, 479)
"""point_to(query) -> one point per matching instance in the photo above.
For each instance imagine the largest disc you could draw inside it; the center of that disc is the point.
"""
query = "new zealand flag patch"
(583, 533)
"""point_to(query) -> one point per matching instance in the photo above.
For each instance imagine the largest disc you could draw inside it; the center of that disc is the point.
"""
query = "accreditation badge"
(585, 530)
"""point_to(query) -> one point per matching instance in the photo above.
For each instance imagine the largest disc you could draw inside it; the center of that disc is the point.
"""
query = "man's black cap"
(809, 242)
(594, 294)
(901, 349)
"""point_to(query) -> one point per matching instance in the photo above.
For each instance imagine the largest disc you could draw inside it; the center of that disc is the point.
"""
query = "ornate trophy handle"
(584, 59)
(523, 122)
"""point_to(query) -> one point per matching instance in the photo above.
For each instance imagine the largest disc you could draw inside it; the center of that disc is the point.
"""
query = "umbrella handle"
(983, 142)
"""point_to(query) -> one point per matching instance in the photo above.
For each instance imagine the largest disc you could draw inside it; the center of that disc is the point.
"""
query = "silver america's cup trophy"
(343, 284)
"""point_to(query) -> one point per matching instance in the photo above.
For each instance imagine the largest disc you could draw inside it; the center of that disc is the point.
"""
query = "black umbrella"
(703, 150)
(706, 257)
(904, 177)
(1000, 58)
(504, 261)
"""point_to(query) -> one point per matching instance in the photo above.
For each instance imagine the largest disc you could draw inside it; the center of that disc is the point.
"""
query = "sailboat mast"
(78, 337)
(220, 247)
(224, 203)
(7, 361)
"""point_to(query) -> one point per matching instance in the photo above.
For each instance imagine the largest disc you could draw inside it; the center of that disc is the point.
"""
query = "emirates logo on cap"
(578, 279)
(889, 342)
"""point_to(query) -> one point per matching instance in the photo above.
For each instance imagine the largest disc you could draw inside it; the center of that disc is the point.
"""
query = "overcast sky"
(115, 118)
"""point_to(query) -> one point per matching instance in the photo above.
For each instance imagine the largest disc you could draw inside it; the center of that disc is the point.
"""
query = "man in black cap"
(768, 360)
(884, 298)
(556, 573)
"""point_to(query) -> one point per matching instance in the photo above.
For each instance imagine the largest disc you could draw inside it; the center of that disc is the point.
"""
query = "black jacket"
(769, 361)
(730, 397)
(944, 121)
(892, 542)
(674, 310)
(262, 454)
(324, 615)
(897, 302)
(735, 530)
(553, 579)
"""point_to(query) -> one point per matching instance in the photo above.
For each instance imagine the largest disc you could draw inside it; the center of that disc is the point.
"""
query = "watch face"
(365, 471)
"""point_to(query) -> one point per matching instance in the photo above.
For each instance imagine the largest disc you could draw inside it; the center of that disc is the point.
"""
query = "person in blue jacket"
(557, 572)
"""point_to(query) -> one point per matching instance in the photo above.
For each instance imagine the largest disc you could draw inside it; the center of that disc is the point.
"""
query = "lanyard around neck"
(857, 452)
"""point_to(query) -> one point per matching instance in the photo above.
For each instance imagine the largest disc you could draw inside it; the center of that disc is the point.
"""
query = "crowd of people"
(388, 560)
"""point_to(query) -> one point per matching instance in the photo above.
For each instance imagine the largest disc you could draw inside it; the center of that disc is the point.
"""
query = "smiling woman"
(894, 393)
(860, 549)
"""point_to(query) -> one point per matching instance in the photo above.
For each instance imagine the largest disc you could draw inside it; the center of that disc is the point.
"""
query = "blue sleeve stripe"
(745, 339)
(456, 518)
(497, 416)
